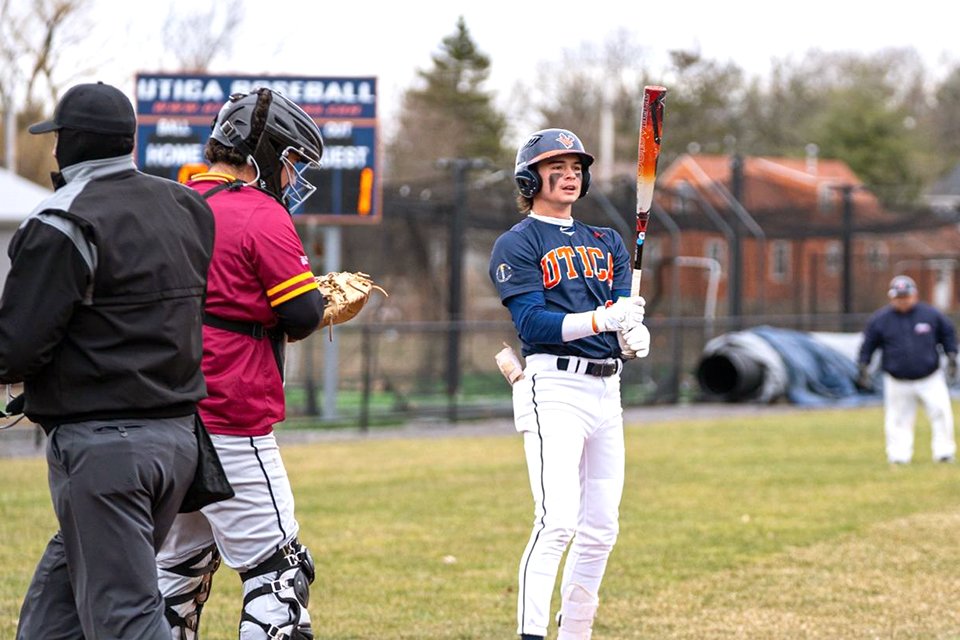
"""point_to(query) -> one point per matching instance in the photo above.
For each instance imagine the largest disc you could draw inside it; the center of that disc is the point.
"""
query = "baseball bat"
(648, 153)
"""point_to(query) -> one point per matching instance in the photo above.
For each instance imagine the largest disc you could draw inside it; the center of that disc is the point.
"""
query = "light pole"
(460, 167)
(846, 232)
(846, 241)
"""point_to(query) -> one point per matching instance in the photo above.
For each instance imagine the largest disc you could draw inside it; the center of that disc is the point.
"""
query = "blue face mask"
(298, 188)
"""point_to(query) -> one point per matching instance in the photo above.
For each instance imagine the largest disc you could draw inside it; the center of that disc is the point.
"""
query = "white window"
(878, 255)
(780, 261)
(833, 257)
(716, 249)
(683, 193)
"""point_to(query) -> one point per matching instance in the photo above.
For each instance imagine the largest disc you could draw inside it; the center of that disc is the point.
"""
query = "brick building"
(786, 223)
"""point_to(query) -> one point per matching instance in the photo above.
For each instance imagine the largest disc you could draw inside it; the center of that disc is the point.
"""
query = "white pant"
(247, 529)
(572, 426)
(900, 410)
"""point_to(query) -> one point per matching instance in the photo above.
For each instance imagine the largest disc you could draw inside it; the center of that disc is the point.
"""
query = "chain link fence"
(390, 373)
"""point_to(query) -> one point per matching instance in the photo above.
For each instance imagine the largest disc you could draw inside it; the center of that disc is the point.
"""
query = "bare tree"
(196, 39)
(34, 38)
(593, 81)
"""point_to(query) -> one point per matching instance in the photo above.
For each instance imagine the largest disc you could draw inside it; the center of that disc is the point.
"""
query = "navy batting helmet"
(547, 144)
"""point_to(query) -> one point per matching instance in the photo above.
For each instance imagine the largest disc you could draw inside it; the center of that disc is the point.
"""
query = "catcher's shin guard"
(186, 588)
(577, 610)
(276, 594)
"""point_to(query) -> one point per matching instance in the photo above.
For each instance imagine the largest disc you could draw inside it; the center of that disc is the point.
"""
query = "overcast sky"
(392, 39)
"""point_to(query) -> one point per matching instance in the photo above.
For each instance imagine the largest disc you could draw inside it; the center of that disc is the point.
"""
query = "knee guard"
(577, 611)
(188, 584)
(276, 594)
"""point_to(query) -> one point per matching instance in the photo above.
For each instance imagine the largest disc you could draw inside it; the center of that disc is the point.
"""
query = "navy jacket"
(908, 340)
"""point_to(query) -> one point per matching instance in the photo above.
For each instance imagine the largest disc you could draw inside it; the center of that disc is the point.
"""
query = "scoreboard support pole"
(332, 242)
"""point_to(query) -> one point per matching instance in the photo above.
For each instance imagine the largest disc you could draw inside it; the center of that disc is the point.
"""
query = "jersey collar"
(560, 222)
(212, 176)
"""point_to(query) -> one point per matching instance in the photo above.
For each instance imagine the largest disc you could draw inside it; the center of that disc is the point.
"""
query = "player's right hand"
(624, 314)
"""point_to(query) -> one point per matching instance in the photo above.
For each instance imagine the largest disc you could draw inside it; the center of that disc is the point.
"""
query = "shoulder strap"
(232, 186)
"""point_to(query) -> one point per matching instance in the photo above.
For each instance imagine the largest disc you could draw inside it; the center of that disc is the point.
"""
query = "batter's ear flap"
(528, 182)
(585, 182)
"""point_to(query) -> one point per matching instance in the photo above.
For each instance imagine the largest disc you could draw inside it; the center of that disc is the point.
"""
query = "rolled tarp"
(765, 364)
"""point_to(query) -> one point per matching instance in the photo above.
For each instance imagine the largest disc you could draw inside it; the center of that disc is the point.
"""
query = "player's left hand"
(636, 340)
(952, 368)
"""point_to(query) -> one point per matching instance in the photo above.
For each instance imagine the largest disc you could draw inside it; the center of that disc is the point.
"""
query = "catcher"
(260, 294)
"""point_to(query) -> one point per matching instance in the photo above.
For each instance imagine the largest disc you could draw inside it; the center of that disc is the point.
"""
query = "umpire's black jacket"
(101, 314)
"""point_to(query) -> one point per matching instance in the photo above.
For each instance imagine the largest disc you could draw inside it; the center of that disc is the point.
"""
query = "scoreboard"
(175, 114)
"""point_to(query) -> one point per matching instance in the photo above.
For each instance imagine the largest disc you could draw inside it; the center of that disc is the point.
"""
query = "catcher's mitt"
(346, 293)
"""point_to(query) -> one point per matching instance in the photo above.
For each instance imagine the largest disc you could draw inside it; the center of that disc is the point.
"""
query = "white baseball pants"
(247, 529)
(900, 399)
(572, 426)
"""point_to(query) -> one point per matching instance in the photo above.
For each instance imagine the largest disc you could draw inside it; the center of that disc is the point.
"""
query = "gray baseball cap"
(901, 287)
(94, 107)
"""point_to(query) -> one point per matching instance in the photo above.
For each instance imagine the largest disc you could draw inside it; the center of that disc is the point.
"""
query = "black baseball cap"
(94, 107)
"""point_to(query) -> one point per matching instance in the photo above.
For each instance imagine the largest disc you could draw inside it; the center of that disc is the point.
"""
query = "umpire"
(910, 334)
(101, 319)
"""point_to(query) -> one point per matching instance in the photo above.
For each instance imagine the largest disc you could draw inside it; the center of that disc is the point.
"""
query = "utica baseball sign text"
(175, 113)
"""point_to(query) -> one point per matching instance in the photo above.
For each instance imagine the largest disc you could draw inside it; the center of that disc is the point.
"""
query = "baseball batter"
(260, 293)
(567, 287)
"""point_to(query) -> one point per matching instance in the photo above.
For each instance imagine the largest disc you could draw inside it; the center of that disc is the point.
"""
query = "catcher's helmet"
(287, 129)
(547, 144)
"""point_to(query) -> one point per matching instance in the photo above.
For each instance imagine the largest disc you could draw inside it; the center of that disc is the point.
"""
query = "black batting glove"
(863, 378)
(15, 406)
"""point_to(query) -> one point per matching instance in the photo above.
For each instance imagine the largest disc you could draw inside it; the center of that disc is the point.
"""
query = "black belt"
(601, 370)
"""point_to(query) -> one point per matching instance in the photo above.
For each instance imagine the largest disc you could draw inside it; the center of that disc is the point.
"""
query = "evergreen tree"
(450, 114)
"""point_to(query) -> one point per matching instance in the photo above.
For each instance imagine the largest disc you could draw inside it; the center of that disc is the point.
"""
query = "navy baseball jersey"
(577, 268)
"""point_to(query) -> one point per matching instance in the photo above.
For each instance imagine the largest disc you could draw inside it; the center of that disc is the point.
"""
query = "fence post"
(366, 350)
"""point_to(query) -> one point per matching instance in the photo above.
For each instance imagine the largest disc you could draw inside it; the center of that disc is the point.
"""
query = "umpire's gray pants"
(116, 487)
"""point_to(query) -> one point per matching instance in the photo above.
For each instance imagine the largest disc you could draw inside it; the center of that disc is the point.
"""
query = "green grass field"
(780, 527)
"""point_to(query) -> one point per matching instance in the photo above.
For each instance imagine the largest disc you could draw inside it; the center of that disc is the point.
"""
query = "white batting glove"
(624, 314)
(626, 352)
(634, 342)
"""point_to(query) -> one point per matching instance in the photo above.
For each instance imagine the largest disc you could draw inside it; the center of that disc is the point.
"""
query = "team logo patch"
(304, 261)
(922, 328)
(566, 141)
(504, 272)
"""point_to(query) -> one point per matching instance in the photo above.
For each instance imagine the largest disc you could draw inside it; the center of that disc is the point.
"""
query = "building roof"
(19, 196)
(786, 197)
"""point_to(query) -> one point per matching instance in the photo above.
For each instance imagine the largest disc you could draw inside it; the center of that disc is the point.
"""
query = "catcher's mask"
(288, 145)
(544, 144)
